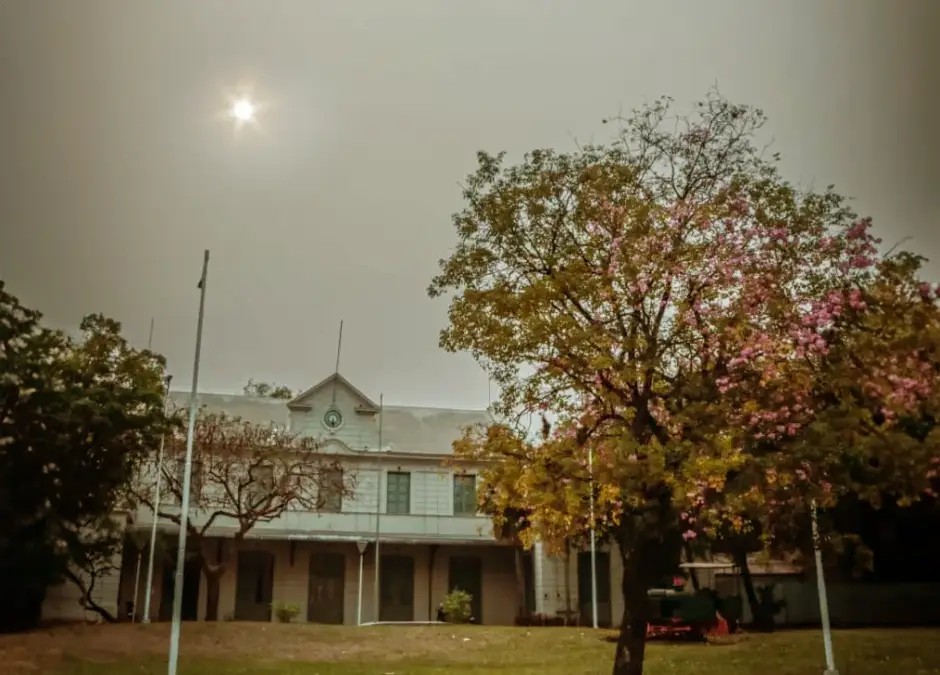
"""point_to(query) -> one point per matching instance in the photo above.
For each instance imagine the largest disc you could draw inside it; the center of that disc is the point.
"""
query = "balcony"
(310, 525)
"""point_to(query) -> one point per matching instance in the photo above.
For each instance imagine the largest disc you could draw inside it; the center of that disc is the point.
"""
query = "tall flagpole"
(187, 477)
(378, 511)
(134, 608)
(584, 404)
(593, 542)
(148, 589)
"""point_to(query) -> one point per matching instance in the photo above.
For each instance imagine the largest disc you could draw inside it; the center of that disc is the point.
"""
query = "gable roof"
(426, 431)
(405, 429)
(297, 401)
(253, 409)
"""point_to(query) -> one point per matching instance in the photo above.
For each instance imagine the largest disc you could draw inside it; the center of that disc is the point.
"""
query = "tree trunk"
(631, 643)
(213, 574)
(520, 581)
(763, 620)
(86, 600)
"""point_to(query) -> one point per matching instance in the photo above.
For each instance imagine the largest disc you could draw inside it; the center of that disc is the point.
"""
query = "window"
(261, 486)
(195, 485)
(331, 491)
(465, 495)
(398, 492)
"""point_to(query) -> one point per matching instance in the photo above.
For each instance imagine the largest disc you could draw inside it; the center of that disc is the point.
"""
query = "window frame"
(260, 484)
(335, 491)
(460, 485)
(399, 475)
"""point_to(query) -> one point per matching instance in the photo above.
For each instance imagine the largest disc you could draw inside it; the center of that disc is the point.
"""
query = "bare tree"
(243, 474)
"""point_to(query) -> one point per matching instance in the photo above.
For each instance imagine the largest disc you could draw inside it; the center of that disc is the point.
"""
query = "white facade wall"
(412, 440)
(431, 518)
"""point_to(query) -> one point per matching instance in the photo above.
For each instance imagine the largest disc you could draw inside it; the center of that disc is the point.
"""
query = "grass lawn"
(271, 649)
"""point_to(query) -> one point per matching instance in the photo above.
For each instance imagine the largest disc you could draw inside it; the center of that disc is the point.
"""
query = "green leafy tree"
(526, 489)
(670, 298)
(76, 416)
(534, 490)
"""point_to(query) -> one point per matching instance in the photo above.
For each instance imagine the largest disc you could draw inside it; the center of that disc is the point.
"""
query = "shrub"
(285, 612)
(457, 606)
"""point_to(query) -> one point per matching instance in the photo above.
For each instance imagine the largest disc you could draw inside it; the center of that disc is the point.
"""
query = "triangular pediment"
(302, 400)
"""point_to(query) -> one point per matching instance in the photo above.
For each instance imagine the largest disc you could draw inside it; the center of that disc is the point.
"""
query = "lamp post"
(187, 477)
(823, 598)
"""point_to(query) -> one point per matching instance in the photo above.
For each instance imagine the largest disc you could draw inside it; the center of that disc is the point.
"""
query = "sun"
(242, 107)
(243, 110)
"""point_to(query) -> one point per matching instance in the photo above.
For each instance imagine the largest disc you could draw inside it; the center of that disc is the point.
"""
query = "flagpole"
(378, 511)
(140, 554)
(593, 543)
(187, 477)
(148, 588)
(594, 623)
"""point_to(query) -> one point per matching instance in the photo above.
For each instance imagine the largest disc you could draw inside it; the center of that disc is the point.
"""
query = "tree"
(92, 559)
(243, 474)
(877, 376)
(267, 390)
(534, 490)
(75, 418)
(670, 297)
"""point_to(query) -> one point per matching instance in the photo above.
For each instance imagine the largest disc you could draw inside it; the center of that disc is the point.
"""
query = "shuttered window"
(398, 492)
(465, 495)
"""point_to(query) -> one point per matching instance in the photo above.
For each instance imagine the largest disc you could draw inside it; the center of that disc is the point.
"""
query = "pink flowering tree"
(867, 423)
(676, 302)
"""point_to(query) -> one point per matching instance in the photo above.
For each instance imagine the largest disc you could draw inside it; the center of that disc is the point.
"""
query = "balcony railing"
(306, 524)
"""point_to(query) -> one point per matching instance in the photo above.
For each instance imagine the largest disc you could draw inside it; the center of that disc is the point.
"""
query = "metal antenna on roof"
(150, 339)
(339, 348)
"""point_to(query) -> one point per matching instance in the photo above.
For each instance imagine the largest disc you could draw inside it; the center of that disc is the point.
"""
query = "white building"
(431, 539)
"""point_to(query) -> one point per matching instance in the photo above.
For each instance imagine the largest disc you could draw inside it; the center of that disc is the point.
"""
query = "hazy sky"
(116, 173)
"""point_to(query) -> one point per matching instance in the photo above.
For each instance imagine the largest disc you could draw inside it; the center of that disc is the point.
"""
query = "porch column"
(432, 554)
(538, 572)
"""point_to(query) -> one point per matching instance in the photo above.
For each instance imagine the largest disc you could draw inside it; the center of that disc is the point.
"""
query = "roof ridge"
(284, 402)
(434, 407)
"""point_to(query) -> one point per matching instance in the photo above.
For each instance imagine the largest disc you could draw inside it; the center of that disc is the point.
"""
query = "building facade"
(420, 506)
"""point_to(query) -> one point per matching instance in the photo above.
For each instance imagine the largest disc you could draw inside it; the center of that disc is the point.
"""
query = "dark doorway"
(528, 570)
(325, 596)
(254, 586)
(466, 573)
(192, 574)
(603, 588)
(397, 588)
